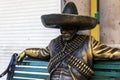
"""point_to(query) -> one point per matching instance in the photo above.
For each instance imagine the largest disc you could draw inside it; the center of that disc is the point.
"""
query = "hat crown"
(70, 8)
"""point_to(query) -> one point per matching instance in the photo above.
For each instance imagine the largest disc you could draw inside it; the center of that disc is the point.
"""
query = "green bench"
(106, 70)
(29, 69)
(34, 69)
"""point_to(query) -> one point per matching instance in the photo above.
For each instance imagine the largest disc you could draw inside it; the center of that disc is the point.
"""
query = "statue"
(71, 54)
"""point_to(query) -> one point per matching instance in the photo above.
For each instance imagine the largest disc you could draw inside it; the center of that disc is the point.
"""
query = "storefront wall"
(110, 22)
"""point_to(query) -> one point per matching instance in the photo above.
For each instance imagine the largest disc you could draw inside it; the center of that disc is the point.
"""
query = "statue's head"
(69, 22)
(68, 32)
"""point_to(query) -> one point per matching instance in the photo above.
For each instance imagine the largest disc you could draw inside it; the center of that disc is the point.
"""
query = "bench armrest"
(11, 66)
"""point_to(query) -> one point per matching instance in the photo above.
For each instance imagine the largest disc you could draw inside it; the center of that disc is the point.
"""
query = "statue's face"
(68, 34)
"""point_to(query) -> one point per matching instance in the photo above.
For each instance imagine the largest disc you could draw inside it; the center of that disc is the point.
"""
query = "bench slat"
(34, 63)
(106, 66)
(20, 78)
(103, 79)
(107, 62)
(28, 75)
(32, 69)
(109, 74)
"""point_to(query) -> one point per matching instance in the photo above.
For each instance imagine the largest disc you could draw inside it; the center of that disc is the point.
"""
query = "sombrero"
(69, 18)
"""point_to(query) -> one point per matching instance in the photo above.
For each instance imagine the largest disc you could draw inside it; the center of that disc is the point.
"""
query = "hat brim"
(68, 20)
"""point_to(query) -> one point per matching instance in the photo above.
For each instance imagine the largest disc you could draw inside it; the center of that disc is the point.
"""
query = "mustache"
(67, 35)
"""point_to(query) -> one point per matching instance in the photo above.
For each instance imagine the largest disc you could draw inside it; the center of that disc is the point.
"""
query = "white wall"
(21, 27)
(110, 22)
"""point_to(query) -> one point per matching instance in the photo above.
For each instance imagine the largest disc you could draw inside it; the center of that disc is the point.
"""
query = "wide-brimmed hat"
(69, 18)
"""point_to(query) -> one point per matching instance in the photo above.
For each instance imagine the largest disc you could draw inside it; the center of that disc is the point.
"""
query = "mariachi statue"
(71, 54)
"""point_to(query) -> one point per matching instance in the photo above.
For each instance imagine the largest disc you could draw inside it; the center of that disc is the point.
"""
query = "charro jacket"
(90, 50)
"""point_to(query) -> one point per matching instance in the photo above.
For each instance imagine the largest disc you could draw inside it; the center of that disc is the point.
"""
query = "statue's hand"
(20, 57)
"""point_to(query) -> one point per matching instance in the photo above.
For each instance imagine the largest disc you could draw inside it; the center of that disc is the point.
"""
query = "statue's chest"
(76, 47)
(79, 52)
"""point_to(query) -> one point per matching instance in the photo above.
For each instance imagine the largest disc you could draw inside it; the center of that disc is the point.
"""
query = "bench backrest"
(31, 70)
(106, 70)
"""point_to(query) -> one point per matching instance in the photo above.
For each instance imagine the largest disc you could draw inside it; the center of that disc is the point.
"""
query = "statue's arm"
(101, 50)
(34, 52)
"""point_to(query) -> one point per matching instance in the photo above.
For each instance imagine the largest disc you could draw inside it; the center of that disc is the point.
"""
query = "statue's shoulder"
(88, 38)
(83, 35)
(58, 38)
